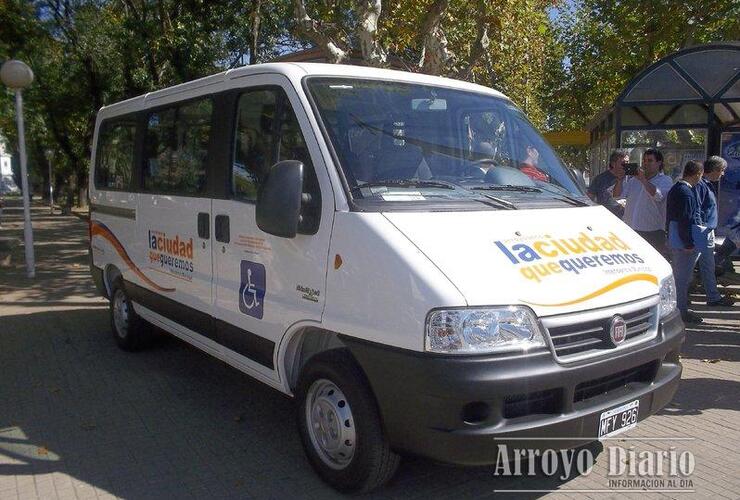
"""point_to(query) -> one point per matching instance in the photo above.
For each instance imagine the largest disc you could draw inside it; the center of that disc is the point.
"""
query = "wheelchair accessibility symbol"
(252, 289)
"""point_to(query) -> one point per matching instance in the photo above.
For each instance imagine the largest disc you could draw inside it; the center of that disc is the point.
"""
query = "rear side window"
(176, 148)
(115, 154)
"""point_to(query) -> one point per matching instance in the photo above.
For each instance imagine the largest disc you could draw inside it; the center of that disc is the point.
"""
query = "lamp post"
(17, 75)
(49, 156)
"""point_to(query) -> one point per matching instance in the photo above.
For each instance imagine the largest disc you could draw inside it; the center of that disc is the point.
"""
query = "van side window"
(176, 148)
(253, 153)
(267, 132)
(115, 154)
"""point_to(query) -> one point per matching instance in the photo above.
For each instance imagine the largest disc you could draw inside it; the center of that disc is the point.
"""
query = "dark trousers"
(657, 239)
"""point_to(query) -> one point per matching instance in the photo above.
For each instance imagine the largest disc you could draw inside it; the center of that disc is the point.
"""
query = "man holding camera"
(645, 194)
(601, 188)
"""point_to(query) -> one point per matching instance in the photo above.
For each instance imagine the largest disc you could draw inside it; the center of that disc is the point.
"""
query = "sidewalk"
(81, 419)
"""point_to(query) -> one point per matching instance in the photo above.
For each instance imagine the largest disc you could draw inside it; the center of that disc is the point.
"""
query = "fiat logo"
(617, 330)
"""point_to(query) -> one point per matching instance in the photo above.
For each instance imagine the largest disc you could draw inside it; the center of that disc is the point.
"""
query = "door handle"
(204, 225)
(222, 229)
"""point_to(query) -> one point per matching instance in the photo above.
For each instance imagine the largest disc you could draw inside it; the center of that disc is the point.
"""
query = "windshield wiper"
(507, 187)
(406, 183)
(531, 189)
(500, 202)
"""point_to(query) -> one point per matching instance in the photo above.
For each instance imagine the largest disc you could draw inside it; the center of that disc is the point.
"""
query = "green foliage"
(605, 43)
(89, 53)
(518, 30)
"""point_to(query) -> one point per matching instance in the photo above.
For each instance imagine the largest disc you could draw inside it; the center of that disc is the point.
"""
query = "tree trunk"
(436, 58)
(367, 30)
(313, 31)
(480, 45)
(255, 32)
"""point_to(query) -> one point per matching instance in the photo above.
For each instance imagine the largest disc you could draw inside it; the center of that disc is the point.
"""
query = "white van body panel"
(112, 235)
(385, 285)
(478, 251)
(162, 221)
(295, 268)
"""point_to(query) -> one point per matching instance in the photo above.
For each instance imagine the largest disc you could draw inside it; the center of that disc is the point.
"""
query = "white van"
(402, 253)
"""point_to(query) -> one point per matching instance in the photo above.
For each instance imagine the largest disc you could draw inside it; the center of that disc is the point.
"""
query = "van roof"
(295, 72)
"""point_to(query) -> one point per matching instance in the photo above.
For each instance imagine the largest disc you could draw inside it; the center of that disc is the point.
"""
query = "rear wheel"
(130, 331)
(340, 425)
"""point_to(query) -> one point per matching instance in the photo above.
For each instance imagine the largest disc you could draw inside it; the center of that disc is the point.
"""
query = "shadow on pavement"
(715, 342)
(695, 395)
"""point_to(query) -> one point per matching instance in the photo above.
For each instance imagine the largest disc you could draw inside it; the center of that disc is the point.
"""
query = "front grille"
(583, 337)
(587, 390)
(534, 403)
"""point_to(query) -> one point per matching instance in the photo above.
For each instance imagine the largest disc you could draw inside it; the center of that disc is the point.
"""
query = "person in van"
(529, 165)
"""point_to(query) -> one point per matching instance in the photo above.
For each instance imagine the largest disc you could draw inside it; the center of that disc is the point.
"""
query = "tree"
(500, 44)
(605, 43)
(90, 53)
(338, 31)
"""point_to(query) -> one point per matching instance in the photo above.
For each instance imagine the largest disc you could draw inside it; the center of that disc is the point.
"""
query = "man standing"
(682, 214)
(706, 197)
(601, 187)
(645, 195)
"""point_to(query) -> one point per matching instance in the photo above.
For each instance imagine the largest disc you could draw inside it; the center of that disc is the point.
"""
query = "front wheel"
(340, 427)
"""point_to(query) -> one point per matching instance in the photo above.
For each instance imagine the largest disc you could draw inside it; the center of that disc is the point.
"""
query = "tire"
(340, 426)
(130, 332)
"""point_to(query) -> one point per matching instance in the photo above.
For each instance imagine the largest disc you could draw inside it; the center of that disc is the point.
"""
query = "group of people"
(678, 219)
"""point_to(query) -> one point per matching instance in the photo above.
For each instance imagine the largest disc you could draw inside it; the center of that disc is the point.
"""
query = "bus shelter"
(687, 105)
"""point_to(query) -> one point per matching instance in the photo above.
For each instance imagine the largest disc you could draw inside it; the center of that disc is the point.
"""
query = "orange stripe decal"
(601, 291)
(100, 229)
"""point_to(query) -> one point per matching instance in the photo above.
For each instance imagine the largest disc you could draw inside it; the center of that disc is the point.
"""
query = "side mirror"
(279, 199)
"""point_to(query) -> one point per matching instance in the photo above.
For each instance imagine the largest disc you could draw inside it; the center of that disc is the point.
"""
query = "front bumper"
(458, 409)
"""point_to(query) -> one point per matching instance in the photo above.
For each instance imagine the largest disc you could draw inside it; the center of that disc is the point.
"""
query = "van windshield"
(409, 142)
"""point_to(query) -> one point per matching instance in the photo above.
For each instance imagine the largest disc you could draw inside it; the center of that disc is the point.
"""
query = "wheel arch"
(302, 345)
(110, 274)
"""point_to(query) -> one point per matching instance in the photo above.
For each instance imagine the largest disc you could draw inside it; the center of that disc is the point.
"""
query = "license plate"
(619, 419)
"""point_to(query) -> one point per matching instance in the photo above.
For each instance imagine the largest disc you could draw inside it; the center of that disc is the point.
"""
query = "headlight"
(496, 329)
(667, 296)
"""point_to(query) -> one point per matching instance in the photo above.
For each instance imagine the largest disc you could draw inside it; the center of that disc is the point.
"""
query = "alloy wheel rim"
(331, 425)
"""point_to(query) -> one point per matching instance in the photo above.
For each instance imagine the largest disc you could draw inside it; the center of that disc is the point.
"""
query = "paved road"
(81, 419)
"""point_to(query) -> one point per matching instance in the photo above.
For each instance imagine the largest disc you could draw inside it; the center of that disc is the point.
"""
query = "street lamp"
(17, 75)
(49, 153)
